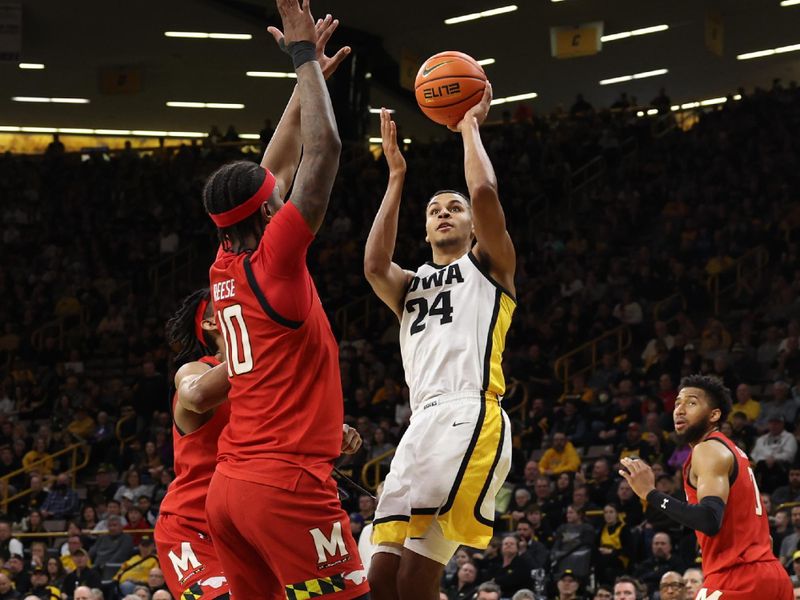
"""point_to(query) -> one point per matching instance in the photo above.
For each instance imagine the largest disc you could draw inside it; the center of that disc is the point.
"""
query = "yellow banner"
(715, 32)
(409, 65)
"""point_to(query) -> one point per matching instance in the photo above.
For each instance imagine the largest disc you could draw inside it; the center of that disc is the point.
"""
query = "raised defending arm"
(319, 135)
(494, 248)
(285, 148)
(387, 279)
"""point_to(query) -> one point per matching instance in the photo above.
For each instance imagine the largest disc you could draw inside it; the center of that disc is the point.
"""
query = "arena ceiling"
(77, 40)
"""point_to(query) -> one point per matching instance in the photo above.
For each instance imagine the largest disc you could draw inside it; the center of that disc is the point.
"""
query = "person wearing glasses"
(672, 586)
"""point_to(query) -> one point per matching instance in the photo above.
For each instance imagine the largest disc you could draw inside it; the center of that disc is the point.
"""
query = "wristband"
(301, 53)
(705, 517)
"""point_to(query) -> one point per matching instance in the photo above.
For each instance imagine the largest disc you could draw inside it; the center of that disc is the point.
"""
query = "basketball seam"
(453, 104)
(460, 55)
(449, 77)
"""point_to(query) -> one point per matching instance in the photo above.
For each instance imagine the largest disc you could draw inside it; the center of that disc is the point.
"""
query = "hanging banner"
(571, 42)
(715, 32)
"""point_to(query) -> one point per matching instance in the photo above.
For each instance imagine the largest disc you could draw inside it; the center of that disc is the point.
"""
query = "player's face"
(448, 221)
(692, 415)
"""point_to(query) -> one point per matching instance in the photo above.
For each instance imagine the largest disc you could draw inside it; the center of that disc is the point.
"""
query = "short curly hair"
(718, 395)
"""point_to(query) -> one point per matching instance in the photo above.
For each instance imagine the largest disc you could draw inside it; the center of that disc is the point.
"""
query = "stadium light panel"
(480, 15)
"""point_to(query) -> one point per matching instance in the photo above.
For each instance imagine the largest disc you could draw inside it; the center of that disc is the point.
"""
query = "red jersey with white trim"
(744, 537)
(195, 461)
(286, 395)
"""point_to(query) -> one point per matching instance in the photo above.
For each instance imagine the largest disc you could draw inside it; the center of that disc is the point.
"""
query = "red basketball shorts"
(279, 544)
(188, 559)
(765, 580)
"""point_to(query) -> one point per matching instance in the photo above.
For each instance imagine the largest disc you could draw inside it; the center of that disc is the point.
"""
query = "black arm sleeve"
(705, 517)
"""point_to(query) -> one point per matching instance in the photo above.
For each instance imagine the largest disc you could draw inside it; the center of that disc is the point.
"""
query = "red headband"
(199, 316)
(247, 208)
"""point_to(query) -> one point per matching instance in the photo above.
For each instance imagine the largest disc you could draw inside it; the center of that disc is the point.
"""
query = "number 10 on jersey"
(237, 340)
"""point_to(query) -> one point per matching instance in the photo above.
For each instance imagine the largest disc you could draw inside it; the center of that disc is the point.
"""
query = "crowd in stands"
(79, 239)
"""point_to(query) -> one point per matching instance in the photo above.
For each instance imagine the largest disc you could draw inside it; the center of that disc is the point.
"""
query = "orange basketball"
(448, 85)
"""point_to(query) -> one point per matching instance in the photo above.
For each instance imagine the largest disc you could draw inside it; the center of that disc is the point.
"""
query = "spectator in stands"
(601, 486)
(136, 521)
(520, 502)
(145, 507)
(603, 592)
(781, 405)
(38, 554)
(464, 586)
(535, 552)
(571, 536)
(104, 488)
(88, 520)
(136, 569)
(512, 573)
(486, 591)
(17, 570)
(8, 545)
(8, 464)
(661, 335)
(116, 547)
(82, 592)
(790, 492)
(113, 509)
(633, 446)
(662, 560)
(568, 585)
(794, 572)
(569, 422)
(541, 531)
(62, 502)
(628, 588)
(773, 453)
(693, 578)
(83, 575)
(155, 580)
(39, 458)
(7, 591)
(615, 546)
(789, 543)
(162, 595)
(745, 403)
(672, 586)
(133, 487)
(55, 572)
(560, 458)
(41, 587)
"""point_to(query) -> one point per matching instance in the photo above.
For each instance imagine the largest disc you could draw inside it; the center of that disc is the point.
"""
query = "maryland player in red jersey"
(272, 505)
(190, 563)
(724, 502)
(182, 532)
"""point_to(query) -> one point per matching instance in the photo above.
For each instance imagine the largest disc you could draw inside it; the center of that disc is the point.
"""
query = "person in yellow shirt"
(135, 570)
(745, 403)
(39, 452)
(561, 458)
(82, 426)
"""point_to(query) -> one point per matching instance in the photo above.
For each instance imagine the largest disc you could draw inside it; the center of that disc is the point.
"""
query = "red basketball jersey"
(744, 536)
(286, 392)
(195, 461)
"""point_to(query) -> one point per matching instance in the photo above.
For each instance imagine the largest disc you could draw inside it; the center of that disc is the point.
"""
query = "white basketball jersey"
(452, 334)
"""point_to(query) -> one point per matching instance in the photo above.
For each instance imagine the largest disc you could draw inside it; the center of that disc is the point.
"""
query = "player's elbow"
(326, 142)
(194, 399)
(374, 267)
(485, 189)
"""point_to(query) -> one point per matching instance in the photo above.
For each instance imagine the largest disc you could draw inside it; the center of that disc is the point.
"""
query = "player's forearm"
(318, 124)
(705, 517)
(205, 392)
(284, 150)
(478, 168)
(383, 234)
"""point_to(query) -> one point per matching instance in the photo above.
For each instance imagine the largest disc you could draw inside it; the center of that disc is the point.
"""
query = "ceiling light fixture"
(790, 3)
(480, 15)
(44, 100)
(626, 34)
(516, 98)
(31, 66)
(272, 74)
(490, 61)
(642, 75)
(200, 35)
(770, 52)
(176, 104)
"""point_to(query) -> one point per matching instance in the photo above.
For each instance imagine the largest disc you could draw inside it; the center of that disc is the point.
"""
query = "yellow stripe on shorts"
(390, 530)
(460, 517)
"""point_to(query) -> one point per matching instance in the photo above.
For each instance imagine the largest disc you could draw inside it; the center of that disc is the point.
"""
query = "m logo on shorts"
(186, 562)
(329, 546)
(703, 595)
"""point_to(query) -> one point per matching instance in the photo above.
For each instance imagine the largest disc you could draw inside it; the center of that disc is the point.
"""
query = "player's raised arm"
(201, 389)
(284, 150)
(494, 248)
(320, 138)
(387, 279)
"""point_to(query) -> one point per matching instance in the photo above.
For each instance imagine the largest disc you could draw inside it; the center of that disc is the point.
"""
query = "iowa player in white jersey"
(454, 313)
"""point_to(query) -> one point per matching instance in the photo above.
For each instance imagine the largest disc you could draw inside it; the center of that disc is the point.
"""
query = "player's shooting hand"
(298, 24)
(479, 112)
(394, 158)
(351, 440)
(639, 475)
(324, 29)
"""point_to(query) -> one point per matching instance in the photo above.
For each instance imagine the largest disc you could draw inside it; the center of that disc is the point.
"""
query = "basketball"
(448, 84)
